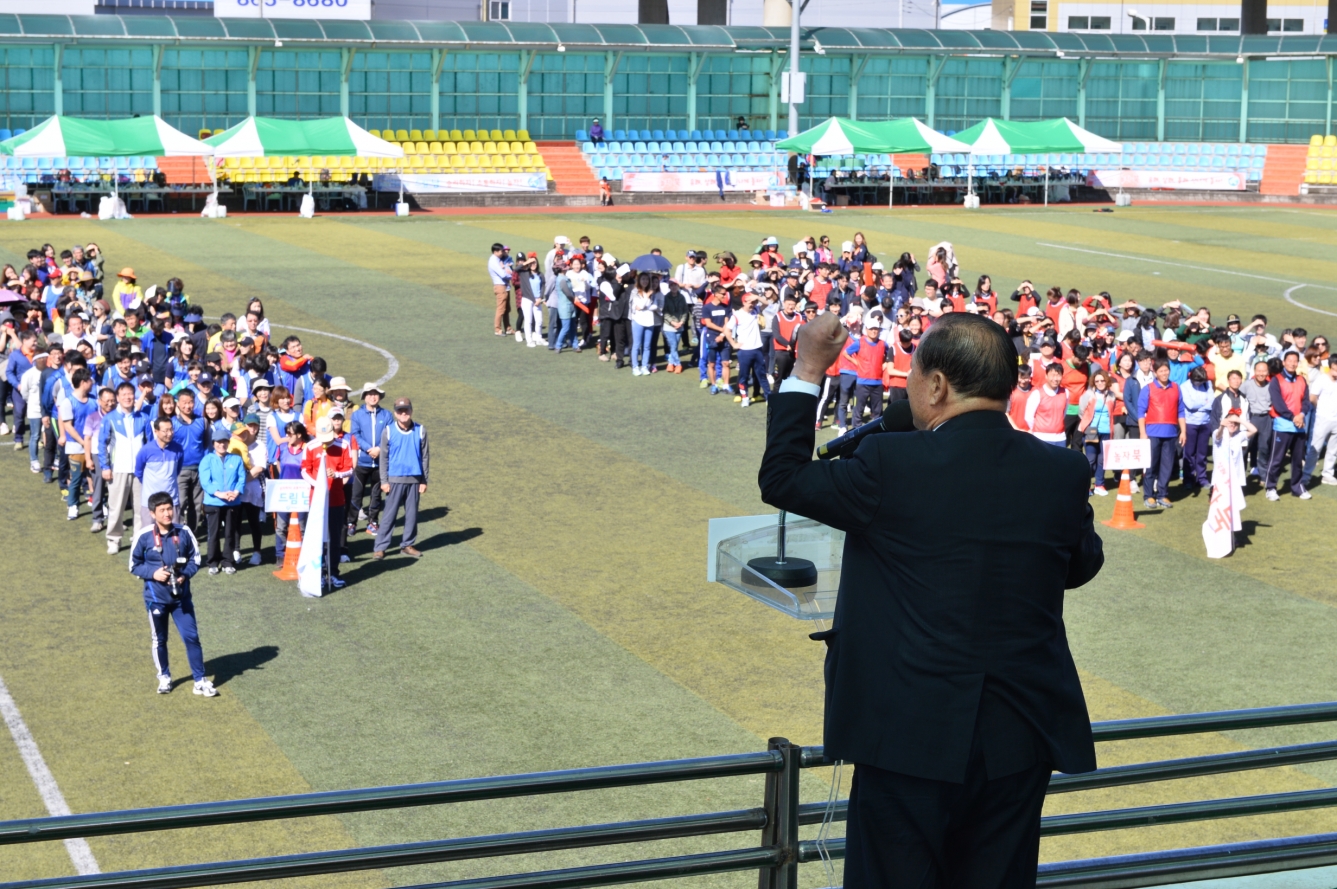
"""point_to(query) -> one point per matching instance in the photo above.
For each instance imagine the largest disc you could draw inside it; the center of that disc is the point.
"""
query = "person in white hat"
(338, 391)
(367, 424)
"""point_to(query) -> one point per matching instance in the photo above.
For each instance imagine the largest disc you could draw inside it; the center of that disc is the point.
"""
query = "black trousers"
(366, 479)
(914, 833)
(613, 330)
(784, 364)
(222, 522)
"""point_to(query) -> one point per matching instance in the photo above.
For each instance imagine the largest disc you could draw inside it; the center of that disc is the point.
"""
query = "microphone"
(896, 418)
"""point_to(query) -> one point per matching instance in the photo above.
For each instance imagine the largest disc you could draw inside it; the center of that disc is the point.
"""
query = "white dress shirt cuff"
(794, 384)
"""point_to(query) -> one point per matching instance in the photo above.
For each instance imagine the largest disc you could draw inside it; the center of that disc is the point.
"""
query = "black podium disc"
(791, 574)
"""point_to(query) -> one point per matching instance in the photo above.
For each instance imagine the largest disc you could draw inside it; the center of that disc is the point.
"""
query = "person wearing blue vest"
(367, 425)
(165, 556)
(403, 471)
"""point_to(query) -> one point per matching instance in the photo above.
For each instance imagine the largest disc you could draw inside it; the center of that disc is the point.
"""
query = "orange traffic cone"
(1123, 506)
(292, 549)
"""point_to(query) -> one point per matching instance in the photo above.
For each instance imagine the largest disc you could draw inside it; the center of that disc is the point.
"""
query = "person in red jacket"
(897, 374)
(784, 334)
(1016, 404)
(338, 469)
(1290, 397)
(1047, 408)
(869, 355)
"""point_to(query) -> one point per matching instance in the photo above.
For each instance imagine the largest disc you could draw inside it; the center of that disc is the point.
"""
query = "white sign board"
(792, 85)
(454, 183)
(359, 10)
(1128, 453)
(732, 180)
(285, 495)
(1167, 180)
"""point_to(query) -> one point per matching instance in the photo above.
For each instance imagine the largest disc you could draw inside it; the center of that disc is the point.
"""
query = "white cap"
(846, 246)
(879, 267)
(623, 269)
(608, 259)
(800, 247)
(562, 239)
(1034, 312)
(1125, 336)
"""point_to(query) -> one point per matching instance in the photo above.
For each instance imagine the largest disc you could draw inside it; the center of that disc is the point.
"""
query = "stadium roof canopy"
(539, 36)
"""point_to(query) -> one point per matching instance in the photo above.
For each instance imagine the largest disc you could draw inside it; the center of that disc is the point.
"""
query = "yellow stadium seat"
(430, 135)
(232, 163)
(409, 148)
(1314, 150)
(376, 133)
(1316, 139)
(508, 135)
(1311, 163)
(218, 132)
(494, 135)
(468, 136)
(205, 133)
(489, 147)
(1311, 177)
(471, 161)
(248, 163)
(1328, 141)
(475, 147)
(522, 135)
(456, 162)
(401, 135)
(361, 163)
(434, 148)
(416, 162)
(456, 135)
(510, 161)
(346, 162)
(420, 148)
(531, 148)
(1325, 178)
(415, 135)
(447, 147)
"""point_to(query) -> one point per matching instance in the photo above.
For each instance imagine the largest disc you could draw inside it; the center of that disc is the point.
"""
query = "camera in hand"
(174, 575)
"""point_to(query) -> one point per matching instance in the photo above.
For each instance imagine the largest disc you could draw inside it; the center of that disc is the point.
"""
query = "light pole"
(794, 75)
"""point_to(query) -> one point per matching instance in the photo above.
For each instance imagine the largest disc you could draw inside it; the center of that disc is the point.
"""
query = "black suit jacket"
(951, 594)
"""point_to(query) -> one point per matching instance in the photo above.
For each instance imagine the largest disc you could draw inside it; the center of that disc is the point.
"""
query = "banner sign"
(457, 183)
(1128, 453)
(1165, 179)
(359, 10)
(710, 181)
(287, 495)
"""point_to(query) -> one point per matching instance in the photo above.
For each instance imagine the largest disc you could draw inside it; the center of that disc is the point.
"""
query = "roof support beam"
(157, 80)
(935, 66)
(1244, 100)
(58, 86)
(527, 57)
(696, 63)
(611, 61)
(1160, 103)
(252, 63)
(345, 69)
(857, 64)
(1083, 72)
(773, 98)
(1327, 125)
(434, 100)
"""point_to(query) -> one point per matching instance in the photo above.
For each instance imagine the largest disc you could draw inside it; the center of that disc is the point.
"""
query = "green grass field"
(561, 616)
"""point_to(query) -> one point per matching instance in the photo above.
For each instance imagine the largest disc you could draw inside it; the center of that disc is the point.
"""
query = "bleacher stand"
(1152, 156)
(1321, 162)
(682, 151)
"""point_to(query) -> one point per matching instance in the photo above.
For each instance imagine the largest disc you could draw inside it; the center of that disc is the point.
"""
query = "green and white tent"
(269, 136)
(991, 136)
(82, 137)
(841, 136)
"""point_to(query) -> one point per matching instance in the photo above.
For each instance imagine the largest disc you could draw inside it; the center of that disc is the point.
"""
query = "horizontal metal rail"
(338, 802)
(1180, 724)
(1183, 865)
(406, 854)
(1194, 767)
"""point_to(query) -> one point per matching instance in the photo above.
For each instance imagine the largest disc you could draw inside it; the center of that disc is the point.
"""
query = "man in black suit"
(949, 683)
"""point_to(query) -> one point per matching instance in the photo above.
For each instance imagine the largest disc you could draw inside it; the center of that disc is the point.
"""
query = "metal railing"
(779, 820)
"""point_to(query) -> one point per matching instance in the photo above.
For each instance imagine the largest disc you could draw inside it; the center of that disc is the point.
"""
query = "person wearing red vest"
(898, 371)
(784, 335)
(847, 380)
(869, 355)
(1025, 298)
(1161, 418)
(1016, 404)
(1290, 398)
(1047, 408)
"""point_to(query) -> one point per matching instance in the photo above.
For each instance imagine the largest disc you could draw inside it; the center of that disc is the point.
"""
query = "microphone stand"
(789, 572)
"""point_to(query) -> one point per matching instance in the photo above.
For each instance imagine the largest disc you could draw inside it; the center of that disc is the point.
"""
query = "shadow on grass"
(230, 666)
(365, 568)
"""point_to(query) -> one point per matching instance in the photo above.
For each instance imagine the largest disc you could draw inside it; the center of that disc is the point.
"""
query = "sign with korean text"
(1129, 453)
(1214, 180)
(286, 495)
(359, 10)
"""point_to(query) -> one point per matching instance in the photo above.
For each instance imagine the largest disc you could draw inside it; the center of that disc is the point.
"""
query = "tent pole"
(1046, 185)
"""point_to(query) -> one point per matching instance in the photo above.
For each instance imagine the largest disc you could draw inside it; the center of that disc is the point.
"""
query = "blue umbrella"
(651, 263)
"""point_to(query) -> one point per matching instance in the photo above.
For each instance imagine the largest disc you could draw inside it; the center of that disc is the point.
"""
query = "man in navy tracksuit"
(165, 556)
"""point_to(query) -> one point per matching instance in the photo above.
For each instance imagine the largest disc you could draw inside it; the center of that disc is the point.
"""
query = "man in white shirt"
(743, 330)
(500, 273)
(691, 275)
(1323, 393)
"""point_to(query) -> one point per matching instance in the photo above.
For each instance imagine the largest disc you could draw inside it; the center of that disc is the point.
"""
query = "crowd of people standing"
(126, 399)
(1093, 369)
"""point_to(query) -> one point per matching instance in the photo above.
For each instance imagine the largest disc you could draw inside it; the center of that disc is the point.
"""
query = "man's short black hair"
(161, 498)
(125, 385)
(977, 356)
(162, 418)
(497, 248)
(80, 376)
(1160, 362)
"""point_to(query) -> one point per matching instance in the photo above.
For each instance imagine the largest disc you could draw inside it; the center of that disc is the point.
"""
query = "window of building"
(1292, 24)
(1039, 15)
(1078, 23)
(1274, 24)
(1163, 24)
(1100, 23)
(499, 10)
(1139, 23)
(1206, 24)
(1227, 24)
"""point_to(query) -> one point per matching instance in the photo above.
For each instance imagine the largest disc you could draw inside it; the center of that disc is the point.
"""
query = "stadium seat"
(508, 135)
(619, 135)
(522, 135)
(696, 136)
(657, 135)
(1316, 139)
(456, 135)
(582, 136)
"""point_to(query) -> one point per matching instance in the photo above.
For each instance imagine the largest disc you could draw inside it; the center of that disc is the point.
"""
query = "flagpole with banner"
(310, 564)
(1223, 512)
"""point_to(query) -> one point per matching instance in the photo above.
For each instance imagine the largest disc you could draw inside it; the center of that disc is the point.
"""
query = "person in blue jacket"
(367, 425)
(165, 556)
(223, 478)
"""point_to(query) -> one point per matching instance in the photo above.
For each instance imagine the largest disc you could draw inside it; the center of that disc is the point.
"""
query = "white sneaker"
(113, 548)
(747, 402)
(1328, 480)
(1132, 487)
(1305, 495)
(205, 688)
(236, 556)
(344, 558)
(519, 336)
(1101, 492)
(35, 466)
(533, 344)
(72, 513)
(164, 685)
(840, 430)
(361, 515)
(1272, 495)
(4, 428)
(255, 558)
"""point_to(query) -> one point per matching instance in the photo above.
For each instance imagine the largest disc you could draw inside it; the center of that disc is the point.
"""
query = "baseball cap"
(205, 378)
(1232, 319)
(251, 420)
(260, 383)
(336, 412)
(771, 242)
(846, 246)
(403, 404)
(1125, 336)
(222, 435)
(598, 248)
(231, 402)
(878, 267)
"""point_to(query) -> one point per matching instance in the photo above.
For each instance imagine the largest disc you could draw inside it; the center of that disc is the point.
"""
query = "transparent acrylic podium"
(790, 564)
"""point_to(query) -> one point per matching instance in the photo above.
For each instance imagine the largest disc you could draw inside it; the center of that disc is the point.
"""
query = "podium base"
(792, 573)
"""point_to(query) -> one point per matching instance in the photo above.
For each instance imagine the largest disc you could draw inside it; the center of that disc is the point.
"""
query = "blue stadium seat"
(657, 135)
(5, 133)
(770, 135)
(716, 147)
(1255, 175)
(619, 135)
(732, 135)
(652, 146)
(582, 136)
(712, 160)
(696, 136)
(1219, 162)
(587, 147)
(639, 148)
(679, 147)
(644, 136)
(780, 134)
(1233, 150)
(752, 161)
(1258, 161)
(19, 131)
